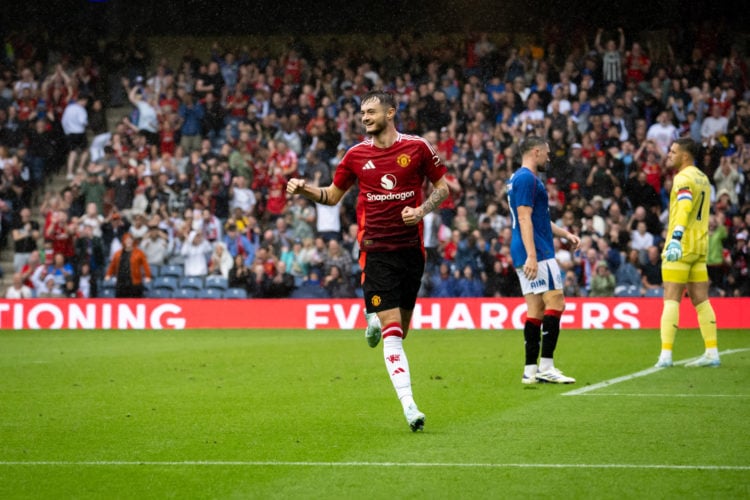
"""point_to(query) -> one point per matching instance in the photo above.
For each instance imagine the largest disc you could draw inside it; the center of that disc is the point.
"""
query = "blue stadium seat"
(106, 293)
(216, 281)
(235, 293)
(159, 293)
(654, 292)
(627, 291)
(168, 282)
(185, 293)
(175, 270)
(108, 283)
(310, 292)
(155, 270)
(210, 293)
(194, 282)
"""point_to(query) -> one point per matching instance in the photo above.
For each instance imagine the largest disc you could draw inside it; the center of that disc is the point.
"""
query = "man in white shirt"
(74, 121)
(328, 221)
(18, 290)
(714, 126)
(241, 196)
(662, 132)
(148, 122)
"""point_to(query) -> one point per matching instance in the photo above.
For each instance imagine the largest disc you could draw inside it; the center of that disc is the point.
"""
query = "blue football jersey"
(525, 189)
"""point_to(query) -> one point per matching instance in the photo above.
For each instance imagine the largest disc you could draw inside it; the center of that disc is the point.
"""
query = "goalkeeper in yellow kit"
(684, 257)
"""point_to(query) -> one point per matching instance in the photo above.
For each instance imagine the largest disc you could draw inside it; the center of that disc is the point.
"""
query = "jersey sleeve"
(525, 190)
(344, 176)
(685, 190)
(434, 168)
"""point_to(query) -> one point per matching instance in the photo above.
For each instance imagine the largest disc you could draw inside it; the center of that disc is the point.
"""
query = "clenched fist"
(295, 186)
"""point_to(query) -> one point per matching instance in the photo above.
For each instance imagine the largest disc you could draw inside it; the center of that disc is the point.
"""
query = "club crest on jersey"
(403, 160)
(375, 300)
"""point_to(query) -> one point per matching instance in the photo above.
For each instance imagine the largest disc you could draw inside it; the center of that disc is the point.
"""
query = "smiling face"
(375, 116)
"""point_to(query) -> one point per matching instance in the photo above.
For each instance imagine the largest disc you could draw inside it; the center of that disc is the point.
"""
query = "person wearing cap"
(684, 256)
(533, 254)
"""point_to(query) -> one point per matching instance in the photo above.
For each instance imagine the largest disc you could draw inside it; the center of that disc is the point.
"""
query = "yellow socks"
(707, 323)
(670, 318)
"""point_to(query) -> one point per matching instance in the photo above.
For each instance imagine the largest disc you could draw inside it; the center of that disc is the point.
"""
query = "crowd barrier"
(441, 314)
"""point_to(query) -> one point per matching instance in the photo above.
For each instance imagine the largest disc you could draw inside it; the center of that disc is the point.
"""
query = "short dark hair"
(530, 143)
(385, 98)
(689, 146)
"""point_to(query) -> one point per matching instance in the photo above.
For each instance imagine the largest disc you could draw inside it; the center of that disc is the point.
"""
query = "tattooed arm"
(412, 216)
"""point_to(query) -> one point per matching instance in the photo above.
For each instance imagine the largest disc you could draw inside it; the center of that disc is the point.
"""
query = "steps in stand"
(57, 184)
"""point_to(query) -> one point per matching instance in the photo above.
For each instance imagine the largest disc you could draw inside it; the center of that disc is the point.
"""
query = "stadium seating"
(185, 293)
(235, 293)
(216, 281)
(174, 270)
(627, 291)
(108, 283)
(194, 282)
(155, 270)
(106, 293)
(159, 293)
(165, 282)
(654, 292)
(210, 293)
(310, 292)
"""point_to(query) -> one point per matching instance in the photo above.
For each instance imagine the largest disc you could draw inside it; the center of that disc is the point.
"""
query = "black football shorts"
(392, 279)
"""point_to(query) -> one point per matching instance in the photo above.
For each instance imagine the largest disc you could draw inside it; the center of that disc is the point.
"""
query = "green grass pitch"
(312, 414)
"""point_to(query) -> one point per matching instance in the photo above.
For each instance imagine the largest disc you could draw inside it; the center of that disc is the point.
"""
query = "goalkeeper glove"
(674, 248)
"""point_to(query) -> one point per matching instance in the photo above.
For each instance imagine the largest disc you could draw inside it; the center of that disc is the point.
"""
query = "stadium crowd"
(196, 173)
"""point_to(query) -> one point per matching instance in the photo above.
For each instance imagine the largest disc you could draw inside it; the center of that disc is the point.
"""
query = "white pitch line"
(625, 394)
(642, 373)
(271, 463)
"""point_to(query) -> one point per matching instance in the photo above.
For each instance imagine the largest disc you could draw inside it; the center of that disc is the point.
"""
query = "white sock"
(712, 352)
(545, 364)
(666, 355)
(530, 370)
(398, 367)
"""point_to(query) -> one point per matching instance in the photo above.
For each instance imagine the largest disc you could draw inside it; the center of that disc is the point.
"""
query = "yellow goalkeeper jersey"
(689, 205)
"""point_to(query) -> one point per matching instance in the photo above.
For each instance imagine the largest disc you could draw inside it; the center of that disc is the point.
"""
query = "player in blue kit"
(533, 255)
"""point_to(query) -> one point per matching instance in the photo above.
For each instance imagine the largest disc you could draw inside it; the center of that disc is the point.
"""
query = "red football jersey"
(389, 180)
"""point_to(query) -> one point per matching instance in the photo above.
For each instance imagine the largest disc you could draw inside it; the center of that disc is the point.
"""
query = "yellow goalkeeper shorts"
(691, 268)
